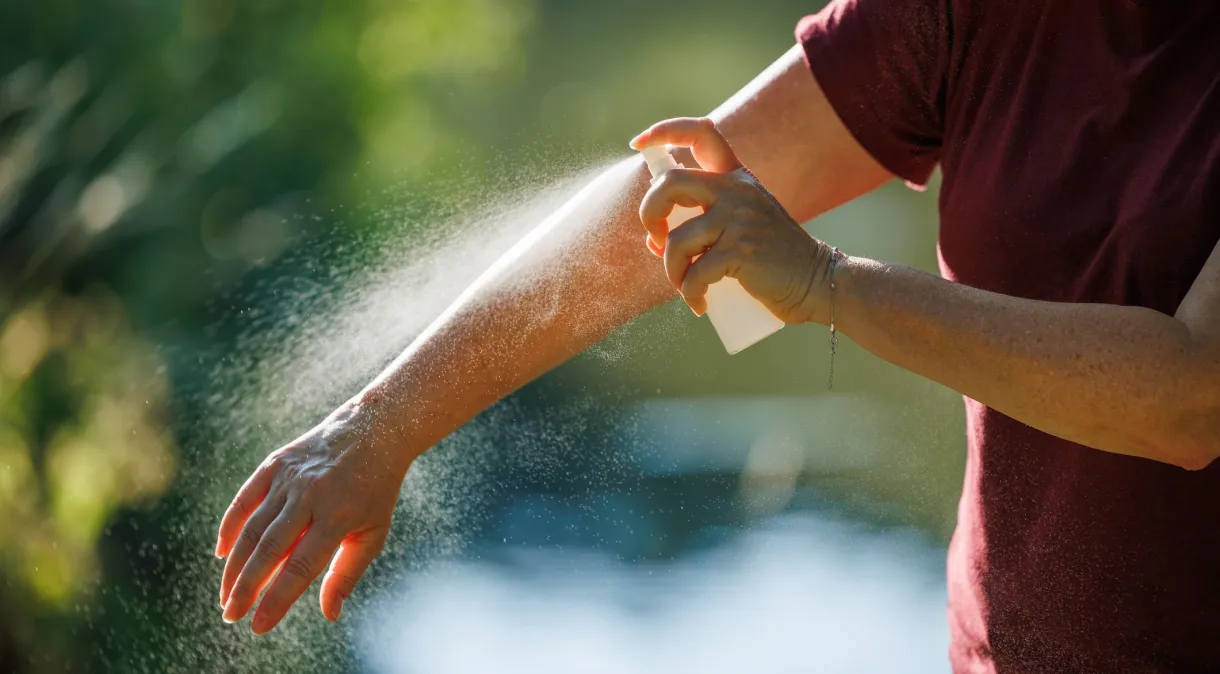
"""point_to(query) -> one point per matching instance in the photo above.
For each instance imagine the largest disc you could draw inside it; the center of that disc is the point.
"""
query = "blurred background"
(218, 218)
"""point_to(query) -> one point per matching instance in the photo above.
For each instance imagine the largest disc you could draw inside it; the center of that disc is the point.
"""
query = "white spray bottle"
(739, 319)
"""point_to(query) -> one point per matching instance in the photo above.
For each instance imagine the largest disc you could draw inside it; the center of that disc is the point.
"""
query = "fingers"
(691, 240)
(652, 247)
(246, 541)
(700, 134)
(711, 267)
(248, 498)
(273, 546)
(308, 559)
(679, 187)
(355, 555)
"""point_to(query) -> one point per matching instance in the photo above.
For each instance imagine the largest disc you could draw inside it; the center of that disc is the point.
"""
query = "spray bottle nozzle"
(659, 160)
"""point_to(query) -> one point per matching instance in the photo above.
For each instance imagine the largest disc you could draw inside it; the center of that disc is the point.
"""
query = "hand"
(743, 233)
(332, 488)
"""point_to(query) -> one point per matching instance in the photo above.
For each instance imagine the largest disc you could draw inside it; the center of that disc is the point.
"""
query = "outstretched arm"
(579, 275)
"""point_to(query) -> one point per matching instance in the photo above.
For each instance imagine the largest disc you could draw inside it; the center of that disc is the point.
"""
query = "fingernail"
(228, 614)
(218, 553)
(337, 612)
(634, 143)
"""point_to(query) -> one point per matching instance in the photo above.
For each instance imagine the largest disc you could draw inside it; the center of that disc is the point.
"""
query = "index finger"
(248, 498)
(689, 242)
(678, 187)
(710, 147)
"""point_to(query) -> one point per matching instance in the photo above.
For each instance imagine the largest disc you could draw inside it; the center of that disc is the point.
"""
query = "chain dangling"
(834, 336)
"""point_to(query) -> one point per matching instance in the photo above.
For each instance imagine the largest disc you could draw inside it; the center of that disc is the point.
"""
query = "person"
(1078, 313)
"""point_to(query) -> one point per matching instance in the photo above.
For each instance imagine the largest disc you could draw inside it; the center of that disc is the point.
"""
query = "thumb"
(700, 134)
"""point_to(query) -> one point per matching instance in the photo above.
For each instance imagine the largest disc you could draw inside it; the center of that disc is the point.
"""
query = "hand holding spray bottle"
(739, 319)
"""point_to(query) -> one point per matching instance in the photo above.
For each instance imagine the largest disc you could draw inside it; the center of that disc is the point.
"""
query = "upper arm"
(786, 131)
(860, 98)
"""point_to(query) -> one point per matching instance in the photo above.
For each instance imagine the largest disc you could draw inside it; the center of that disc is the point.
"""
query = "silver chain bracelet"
(834, 337)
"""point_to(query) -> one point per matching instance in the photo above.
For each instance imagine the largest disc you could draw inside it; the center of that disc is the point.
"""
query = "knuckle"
(298, 568)
(673, 178)
(683, 236)
(678, 236)
(273, 463)
(249, 537)
(663, 184)
(266, 551)
(347, 584)
(745, 213)
(241, 590)
(242, 506)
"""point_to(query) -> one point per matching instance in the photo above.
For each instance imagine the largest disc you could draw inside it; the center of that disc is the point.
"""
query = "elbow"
(1184, 430)
(1192, 443)
(1203, 451)
(1186, 435)
(1195, 460)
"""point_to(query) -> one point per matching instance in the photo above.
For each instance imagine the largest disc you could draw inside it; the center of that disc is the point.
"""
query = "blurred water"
(803, 592)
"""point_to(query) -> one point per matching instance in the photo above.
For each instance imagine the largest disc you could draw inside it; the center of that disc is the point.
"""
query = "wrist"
(384, 425)
(826, 266)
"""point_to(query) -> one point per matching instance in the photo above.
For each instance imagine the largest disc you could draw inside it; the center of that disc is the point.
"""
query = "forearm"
(576, 277)
(1127, 380)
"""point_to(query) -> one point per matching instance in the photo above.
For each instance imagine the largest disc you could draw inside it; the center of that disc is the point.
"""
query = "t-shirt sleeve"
(883, 64)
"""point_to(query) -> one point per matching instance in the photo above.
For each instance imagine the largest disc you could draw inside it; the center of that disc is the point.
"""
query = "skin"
(1120, 379)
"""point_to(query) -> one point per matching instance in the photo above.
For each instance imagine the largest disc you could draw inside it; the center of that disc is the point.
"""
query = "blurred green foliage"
(158, 160)
(75, 440)
(148, 128)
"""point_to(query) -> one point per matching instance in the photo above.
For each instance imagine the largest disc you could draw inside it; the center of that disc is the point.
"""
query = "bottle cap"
(659, 160)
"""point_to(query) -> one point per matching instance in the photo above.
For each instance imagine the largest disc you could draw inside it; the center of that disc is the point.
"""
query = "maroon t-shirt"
(1079, 142)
